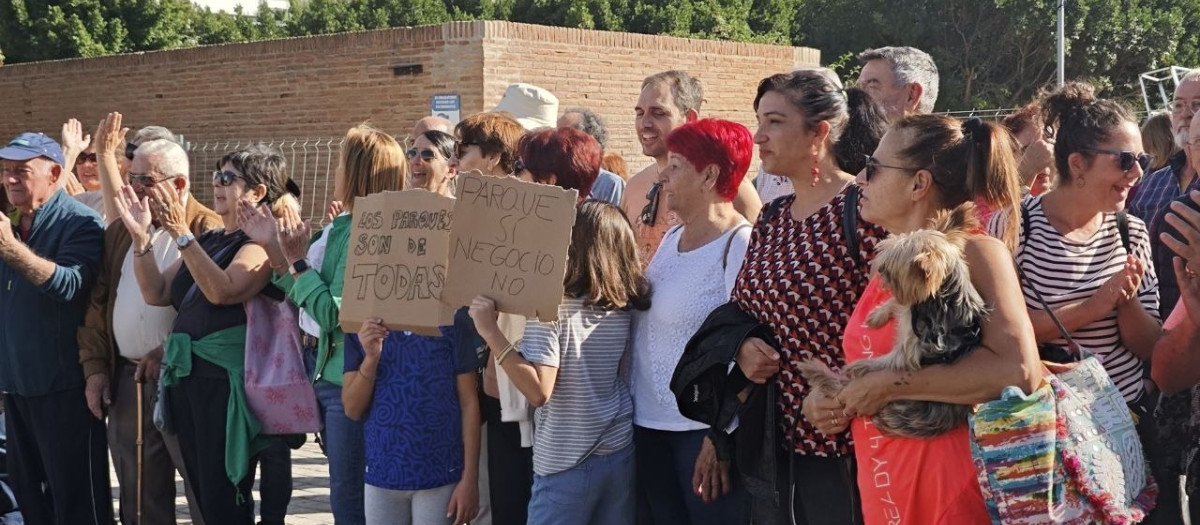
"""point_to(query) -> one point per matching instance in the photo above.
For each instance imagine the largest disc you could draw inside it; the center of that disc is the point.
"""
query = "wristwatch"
(299, 267)
(185, 240)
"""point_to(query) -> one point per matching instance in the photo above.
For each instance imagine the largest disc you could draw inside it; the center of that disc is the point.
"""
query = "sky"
(250, 7)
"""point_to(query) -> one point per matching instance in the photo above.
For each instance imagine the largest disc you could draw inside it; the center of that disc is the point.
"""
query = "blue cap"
(31, 146)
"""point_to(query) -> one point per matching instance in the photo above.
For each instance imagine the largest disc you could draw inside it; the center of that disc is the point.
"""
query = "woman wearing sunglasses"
(487, 142)
(205, 351)
(430, 163)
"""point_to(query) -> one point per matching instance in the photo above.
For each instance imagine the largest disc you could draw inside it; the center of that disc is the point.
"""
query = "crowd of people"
(126, 306)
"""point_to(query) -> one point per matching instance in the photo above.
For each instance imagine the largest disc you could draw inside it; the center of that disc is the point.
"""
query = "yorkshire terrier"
(938, 314)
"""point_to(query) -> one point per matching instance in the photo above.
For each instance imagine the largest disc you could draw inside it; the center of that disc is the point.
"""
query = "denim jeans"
(274, 481)
(665, 463)
(598, 491)
(342, 442)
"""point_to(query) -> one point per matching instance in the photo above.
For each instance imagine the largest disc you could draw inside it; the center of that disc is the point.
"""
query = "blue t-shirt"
(608, 187)
(413, 430)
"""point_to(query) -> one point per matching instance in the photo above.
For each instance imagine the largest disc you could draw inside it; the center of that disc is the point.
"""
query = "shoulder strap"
(1062, 330)
(850, 222)
(729, 243)
(1123, 229)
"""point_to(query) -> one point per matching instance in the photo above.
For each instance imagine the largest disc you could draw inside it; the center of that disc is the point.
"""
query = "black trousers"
(510, 467)
(823, 491)
(58, 459)
(198, 405)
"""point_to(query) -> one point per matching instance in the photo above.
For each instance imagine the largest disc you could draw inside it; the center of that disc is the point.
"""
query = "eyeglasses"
(225, 178)
(145, 179)
(650, 211)
(86, 157)
(129, 149)
(1127, 158)
(427, 155)
(519, 166)
(460, 148)
(872, 167)
(1177, 106)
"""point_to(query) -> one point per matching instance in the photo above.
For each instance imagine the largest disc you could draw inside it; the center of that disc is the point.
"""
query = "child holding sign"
(569, 369)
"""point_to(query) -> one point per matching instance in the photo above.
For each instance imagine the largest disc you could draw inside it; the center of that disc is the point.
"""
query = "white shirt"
(686, 288)
(771, 187)
(138, 327)
(316, 258)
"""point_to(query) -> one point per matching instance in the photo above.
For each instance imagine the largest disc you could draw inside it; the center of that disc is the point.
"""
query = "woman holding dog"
(805, 268)
(927, 165)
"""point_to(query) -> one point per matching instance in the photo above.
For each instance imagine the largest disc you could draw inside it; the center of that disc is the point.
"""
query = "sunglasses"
(427, 155)
(145, 179)
(1127, 158)
(460, 148)
(86, 157)
(650, 211)
(225, 178)
(129, 149)
(872, 166)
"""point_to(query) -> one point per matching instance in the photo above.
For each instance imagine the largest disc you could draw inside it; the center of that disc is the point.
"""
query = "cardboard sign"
(509, 244)
(396, 262)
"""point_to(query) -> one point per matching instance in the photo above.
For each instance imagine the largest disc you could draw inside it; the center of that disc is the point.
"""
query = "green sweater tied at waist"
(226, 349)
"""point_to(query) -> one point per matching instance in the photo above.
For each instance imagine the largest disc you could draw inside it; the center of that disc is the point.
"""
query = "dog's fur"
(937, 312)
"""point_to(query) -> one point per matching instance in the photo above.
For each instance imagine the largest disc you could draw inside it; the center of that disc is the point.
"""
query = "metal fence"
(311, 163)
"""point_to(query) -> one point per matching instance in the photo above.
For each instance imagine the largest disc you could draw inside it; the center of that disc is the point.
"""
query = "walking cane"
(141, 415)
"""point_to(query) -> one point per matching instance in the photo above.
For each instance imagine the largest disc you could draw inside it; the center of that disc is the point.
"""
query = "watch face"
(299, 266)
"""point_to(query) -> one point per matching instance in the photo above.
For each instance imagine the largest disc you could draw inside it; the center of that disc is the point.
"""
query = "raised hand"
(110, 136)
(294, 234)
(335, 208)
(371, 335)
(168, 209)
(483, 312)
(136, 216)
(258, 224)
(74, 141)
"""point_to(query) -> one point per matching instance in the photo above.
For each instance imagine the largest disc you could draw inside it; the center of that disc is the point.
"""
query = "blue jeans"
(665, 463)
(342, 442)
(598, 491)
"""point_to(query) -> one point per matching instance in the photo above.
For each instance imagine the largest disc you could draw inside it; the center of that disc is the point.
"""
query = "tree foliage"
(991, 53)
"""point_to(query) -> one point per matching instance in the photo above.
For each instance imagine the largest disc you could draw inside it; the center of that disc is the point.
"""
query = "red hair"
(725, 144)
(570, 155)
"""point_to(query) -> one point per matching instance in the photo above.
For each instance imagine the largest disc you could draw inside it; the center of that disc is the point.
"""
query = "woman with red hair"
(691, 274)
(563, 157)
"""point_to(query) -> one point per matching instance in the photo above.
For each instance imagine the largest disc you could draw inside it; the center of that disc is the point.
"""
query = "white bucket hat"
(532, 106)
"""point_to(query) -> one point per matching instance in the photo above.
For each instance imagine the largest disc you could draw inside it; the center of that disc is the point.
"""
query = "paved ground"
(310, 493)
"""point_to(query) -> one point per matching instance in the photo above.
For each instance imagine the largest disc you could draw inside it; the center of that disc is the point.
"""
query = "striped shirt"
(1065, 272)
(589, 411)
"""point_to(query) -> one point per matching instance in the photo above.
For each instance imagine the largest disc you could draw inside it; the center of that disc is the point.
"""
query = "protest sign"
(396, 262)
(509, 243)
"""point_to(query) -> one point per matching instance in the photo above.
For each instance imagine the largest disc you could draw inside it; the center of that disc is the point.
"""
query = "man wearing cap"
(50, 251)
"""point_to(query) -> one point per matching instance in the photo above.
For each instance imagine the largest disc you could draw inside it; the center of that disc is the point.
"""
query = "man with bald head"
(431, 124)
(120, 343)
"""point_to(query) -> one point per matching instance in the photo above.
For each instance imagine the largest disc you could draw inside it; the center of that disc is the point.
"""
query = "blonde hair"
(371, 161)
(1158, 140)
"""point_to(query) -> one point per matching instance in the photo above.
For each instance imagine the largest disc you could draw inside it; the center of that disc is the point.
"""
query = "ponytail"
(970, 160)
(865, 126)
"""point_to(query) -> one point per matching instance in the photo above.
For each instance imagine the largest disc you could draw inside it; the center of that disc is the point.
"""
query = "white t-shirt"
(138, 327)
(316, 259)
(771, 187)
(686, 287)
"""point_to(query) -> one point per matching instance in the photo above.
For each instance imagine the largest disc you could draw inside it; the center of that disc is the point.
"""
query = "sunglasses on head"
(145, 179)
(1127, 158)
(460, 148)
(129, 149)
(650, 212)
(871, 167)
(225, 178)
(426, 154)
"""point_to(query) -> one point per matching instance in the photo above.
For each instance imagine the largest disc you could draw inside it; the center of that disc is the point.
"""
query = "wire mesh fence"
(311, 163)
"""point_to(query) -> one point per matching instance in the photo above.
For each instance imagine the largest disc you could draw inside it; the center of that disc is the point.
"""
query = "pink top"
(908, 481)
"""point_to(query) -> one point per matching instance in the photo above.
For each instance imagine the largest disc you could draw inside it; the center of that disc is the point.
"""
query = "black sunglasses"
(86, 157)
(225, 178)
(145, 179)
(650, 211)
(871, 166)
(427, 155)
(129, 149)
(459, 148)
(1127, 158)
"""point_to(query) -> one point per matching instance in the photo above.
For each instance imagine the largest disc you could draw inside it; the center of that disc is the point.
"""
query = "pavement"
(310, 491)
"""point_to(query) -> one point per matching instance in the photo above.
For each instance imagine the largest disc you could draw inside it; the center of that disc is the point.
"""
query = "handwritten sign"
(509, 243)
(396, 262)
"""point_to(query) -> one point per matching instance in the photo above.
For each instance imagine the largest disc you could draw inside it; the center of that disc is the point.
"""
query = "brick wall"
(320, 86)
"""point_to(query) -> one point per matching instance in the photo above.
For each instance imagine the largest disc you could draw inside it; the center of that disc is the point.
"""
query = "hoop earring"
(1080, 181)
(816, 174)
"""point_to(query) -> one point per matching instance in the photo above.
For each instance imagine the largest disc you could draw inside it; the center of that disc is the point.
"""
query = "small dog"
(938, 314)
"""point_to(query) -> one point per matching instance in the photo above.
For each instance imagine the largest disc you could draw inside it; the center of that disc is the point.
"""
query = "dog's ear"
(926, 274)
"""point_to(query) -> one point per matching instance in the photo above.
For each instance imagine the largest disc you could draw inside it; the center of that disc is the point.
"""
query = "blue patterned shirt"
(1157, 191)
(413, 430)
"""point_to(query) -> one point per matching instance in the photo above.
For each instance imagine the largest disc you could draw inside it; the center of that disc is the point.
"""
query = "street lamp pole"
(1062, 45)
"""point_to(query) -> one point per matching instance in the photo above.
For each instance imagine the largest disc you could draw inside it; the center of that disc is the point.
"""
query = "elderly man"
(50, 250)
(904, 80)
(667, 100)
(120, 344)
(1158, 189)
(608, 187)
(441, 124)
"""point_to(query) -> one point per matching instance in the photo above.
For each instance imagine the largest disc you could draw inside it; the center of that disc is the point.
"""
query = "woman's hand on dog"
(757, 360)
(866, 395)
(826, 413)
